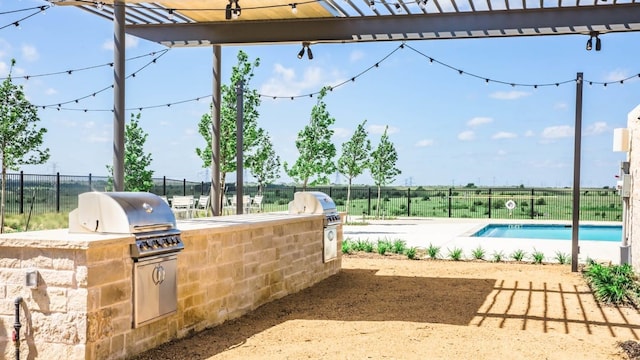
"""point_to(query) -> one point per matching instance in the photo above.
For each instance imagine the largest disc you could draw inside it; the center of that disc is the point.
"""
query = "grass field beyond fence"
(41, 194)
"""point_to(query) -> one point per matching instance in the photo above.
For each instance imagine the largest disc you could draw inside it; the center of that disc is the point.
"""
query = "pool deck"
(456, 233)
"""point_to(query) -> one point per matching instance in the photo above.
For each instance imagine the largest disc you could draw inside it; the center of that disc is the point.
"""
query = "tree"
(264, 164)
(137, 176)
(383, 165)
(241, 72)
(315, 147)
(355, 157)
(20, 138)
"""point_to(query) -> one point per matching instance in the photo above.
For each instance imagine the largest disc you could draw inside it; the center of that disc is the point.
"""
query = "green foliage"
(137, 176)
(433, 251)
(455, 254)
(383, 164)
(398, 246)
(537, 256)
(411, 252)
(498, 256)
(383, 246)
(541, 201)
(242, 72)
(478, 253)
(518, 255)
(315, 148)
(20, 138)
(263, 163)
(614, 284)
(355, 157)
(562, 258)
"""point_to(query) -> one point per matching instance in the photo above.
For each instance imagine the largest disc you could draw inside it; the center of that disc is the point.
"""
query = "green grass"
(498, 256)
(537, 256)
(398, 246)
(562, 258)
(411, 252)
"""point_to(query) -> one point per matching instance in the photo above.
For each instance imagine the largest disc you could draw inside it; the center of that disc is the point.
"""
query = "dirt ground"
(386, 308)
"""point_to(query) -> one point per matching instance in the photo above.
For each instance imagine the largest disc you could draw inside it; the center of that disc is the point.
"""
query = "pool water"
(551, 232)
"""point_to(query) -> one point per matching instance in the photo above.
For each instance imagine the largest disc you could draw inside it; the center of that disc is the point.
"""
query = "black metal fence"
(59, 193)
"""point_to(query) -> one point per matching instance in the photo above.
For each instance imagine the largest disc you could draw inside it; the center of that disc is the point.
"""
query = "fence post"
(489, 203)
(532, 194)
(450, 200)
(202, 188)
(21, 192)
(331, 191)
(164, 185)
(90, 187)
(184, 187)
(408, 201)
(57, 192)
(369, 201)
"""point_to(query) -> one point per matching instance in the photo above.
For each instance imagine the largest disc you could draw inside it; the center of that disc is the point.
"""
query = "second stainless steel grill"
(316, 202)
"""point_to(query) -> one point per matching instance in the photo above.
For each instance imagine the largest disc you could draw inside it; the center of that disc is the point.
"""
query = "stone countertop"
(63, 239)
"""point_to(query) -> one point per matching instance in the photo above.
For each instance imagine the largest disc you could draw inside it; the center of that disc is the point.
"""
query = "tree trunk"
(378, 204)
(2, 197)
(348, 198)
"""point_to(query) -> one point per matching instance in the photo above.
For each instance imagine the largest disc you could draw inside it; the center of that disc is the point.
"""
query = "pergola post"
(577, 141)
(216, 191)
(118, 94)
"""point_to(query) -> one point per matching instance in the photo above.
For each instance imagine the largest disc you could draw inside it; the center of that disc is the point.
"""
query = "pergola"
(179, 23)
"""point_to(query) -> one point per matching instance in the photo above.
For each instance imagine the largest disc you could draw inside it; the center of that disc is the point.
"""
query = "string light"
(103, 89)
(16, 23)
(294, 9)
(153, 53)
(349, 80)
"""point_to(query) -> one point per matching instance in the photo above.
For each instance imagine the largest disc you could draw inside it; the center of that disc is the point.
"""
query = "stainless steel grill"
(316, 202)
(157, 241)
(144, 215)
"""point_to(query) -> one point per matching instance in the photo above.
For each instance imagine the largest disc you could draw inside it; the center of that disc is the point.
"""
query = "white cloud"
(130, 42)
(425, 143)
(89, 124)
(466, 135)
(549, 164)
(51, 91)
(502, 152)
(102, 137)
(286, 82)
(529, 133)
(561, 106)
(190, 131)
(616, 75)
(555, 132)
(30, 53)
(379, 129)
(597, 128)
(356, 55)
(4, 68)
(476, 121)
(504, 135)
(341, 132)
(509, 95)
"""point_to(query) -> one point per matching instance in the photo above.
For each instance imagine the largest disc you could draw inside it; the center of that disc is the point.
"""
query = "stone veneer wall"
(83, 309)
(633, 215)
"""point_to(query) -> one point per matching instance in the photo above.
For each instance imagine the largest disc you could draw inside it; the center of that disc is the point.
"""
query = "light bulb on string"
(294, 9)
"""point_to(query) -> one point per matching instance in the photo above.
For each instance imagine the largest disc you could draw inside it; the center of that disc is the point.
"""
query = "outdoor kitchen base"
(82, 303)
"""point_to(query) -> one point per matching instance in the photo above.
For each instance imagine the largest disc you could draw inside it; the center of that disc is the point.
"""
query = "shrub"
(398, 246)
(383, 246)
(433, 251)
(347, 246)
(498, 256)
(541, 201)
(478, 253)
(518, 255)
(411, 252)
(455, 254)
(562, 258)
(615, 284)
(537, 256)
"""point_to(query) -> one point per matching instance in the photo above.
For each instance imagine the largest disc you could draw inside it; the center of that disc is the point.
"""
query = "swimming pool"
(551, 232)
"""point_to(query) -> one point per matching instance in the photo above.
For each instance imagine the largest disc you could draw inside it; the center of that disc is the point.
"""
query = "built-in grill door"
(155, 288)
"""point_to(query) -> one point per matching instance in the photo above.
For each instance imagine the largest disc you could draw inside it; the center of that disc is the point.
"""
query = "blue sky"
(448, 128)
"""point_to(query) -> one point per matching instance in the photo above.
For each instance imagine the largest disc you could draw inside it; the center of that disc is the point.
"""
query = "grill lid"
(315, 202)
(121, 213)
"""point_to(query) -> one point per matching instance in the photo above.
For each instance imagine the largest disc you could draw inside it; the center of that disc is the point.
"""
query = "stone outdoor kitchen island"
(82, 304)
